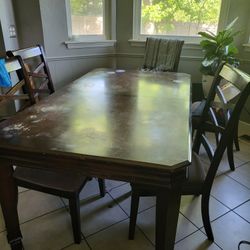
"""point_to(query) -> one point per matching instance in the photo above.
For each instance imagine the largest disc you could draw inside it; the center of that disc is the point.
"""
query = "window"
(89, 20)
(178, 18)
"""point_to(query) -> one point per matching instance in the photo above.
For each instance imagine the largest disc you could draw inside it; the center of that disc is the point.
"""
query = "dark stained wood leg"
(236, 139)
(8, 200)
(133, 214)
(197, 141)
(206, 217)
(102, 187)
(236, 142)
(230, 156)
(74, 207)
(167, 212)
(216, 138)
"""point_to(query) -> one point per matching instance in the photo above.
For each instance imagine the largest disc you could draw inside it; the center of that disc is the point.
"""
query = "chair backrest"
(226, 93)
(37, 69)
(21, 90)
(241, 81)
(162, 54)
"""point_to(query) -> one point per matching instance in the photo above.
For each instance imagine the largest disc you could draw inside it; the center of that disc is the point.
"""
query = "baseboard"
(244, 128)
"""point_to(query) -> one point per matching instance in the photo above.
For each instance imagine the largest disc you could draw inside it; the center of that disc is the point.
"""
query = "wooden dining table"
(125, 125)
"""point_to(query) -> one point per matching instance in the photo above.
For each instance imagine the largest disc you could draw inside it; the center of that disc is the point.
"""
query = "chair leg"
(236, 139)
(74, 206)
(133, 214)
(206, 217)
(236, 142)
(102, 187)
(230, 156)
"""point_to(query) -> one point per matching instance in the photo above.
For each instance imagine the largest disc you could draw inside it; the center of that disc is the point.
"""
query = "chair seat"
(197, 108)
(195, 176)
(43, 179)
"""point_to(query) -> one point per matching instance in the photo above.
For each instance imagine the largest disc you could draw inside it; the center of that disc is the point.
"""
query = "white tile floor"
(46, 225)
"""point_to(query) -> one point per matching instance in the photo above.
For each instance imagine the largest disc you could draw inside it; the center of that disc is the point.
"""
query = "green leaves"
(218, 48)
(207, 35)
(86, 7)
(230, 25)
(163, 15)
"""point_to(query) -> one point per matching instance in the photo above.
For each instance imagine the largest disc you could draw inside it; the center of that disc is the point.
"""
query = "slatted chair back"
(21, 90)
(162, 54)
(240, 81)
(37, 69)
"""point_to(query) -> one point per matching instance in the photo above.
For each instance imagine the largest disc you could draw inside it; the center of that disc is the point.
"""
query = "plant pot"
(207, 81)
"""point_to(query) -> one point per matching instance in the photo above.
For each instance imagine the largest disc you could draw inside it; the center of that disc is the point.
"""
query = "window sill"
(187, 45)
(89, 44)
(246, 47)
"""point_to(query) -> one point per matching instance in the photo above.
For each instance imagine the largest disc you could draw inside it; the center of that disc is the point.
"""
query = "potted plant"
(217, 48)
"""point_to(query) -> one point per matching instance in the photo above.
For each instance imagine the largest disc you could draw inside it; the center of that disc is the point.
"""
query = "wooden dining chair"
(20, 90)
(221, 97)
(200, 177)
(37, 69)
(162, 54)
(66, 185)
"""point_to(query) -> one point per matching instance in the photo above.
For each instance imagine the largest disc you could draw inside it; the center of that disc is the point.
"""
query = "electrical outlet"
(12, 31)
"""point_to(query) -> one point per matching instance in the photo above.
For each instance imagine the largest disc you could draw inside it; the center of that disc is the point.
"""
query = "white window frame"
(105, 40)
(225, 4)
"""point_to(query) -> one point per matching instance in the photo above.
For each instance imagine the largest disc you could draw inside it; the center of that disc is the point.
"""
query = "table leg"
(167, 212)
(8, 201)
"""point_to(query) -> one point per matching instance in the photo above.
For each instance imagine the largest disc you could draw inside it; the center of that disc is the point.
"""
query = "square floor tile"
(191, 209)
(146, 222)
(122, 195)
(244, 211)
(21, 189)
(52, 231)
(32, 204)
(116, 237)
(229, 192)
(4, 245)
(243, 154)
(229, 230)
(224, 165)
(99, 213)
(196, 241)
(82, 246)
(110, 184)
(91, 188)
(242, 174)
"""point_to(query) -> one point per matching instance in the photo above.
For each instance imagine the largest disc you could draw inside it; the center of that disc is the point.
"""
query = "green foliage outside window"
(163, 13)
(86, 7)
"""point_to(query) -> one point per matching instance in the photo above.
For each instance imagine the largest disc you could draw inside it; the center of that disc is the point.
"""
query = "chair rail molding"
(79, 57)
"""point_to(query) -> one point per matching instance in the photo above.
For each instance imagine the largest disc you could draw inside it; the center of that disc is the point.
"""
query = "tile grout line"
(103, 229)
(42, 215)
(230, 210)
(143, 210)
(114, 200)
(214, 242)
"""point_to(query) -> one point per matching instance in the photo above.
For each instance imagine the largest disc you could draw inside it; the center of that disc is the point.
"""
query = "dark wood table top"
(133, 118)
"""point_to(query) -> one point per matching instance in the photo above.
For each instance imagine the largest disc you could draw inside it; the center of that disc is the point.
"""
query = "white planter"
(207, 81)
